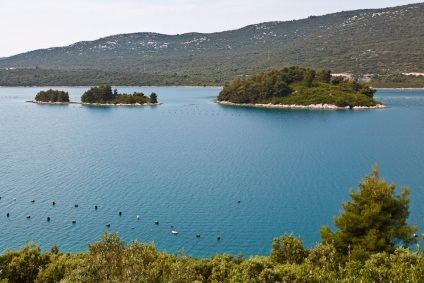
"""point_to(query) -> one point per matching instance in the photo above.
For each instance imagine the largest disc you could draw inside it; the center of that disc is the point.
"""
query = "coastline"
(93, 104)
(400, 88)
(311, 106)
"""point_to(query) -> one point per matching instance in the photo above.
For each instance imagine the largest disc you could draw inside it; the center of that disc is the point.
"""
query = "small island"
(297, 87)
(103, 95)
(99, 96)
(52, 96)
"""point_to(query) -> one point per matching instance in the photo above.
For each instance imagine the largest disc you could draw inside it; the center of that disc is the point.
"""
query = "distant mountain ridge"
(374, 41)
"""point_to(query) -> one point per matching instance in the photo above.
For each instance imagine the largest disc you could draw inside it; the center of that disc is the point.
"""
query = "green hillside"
(378, 44)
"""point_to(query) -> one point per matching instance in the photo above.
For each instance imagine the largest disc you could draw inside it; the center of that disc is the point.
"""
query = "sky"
(27, 25)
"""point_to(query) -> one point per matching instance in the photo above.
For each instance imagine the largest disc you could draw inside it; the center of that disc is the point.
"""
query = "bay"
(244, 174)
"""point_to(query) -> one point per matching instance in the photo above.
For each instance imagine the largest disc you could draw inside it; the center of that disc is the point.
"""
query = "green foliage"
(153, 98)
(59, 266)
(288, 249)
(52, 96)
(111, 260)
(98, 94)
(104, 95)
(43, 77)
(374, 221)
(397, 81)
(324, 76)
(323, 257)
(396, 267)
(301, 86)
(23, 265)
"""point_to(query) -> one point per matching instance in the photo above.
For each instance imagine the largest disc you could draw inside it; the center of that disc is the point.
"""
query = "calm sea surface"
(244, 174)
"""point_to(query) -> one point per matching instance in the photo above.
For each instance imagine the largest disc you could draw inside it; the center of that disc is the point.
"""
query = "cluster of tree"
(52, 96)
(103, 95)
(364, 249)
(397, 81)
(43, 77)
(296, 85)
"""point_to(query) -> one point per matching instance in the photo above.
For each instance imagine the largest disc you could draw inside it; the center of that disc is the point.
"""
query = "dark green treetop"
(52, 96)
(374, 221)
(104, 95)
(98, 94)
(153, 98)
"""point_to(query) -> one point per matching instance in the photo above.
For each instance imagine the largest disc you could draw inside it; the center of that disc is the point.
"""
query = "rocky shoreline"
(311, 106)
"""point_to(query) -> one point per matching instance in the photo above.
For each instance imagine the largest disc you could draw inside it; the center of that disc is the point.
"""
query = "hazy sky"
(27, 25)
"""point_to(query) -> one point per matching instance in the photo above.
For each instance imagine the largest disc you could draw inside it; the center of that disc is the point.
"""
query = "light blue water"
(188, 162)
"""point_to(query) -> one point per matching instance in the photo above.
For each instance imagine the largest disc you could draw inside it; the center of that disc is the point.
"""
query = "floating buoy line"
(108, 225)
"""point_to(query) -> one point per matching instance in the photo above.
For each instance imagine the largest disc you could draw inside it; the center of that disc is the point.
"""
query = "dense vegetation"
(52, 96)
(112, 260)
(41, 77)
(397, 81)
(103, 95)
(301, 86)
(381, 42)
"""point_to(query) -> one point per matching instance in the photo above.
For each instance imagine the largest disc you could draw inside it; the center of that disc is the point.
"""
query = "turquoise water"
(244, 174)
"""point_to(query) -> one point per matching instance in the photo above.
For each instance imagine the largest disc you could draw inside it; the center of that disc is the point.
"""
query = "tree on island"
(99, 94)
(153, 98)
(104, 95)
(52, 96)
(301, 86)
(374, 221)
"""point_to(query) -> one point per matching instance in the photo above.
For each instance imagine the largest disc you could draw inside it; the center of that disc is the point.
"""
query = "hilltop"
(374, 44)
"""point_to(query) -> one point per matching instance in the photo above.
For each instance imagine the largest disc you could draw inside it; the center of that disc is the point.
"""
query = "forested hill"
(386, 41)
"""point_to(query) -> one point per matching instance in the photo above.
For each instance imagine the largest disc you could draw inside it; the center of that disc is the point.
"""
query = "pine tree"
(153, 98)
(374, 221)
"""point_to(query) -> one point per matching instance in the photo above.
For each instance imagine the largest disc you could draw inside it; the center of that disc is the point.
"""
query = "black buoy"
(74, 221)
(53, 202)
(95, 207)
(107, 225)
(156, 222)
(218, 238)
(76, 205)
(197, 235)
(8, 214)
(120, 213)
(33, 201)
(239, 201)
(29, 216)
(48, 219)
